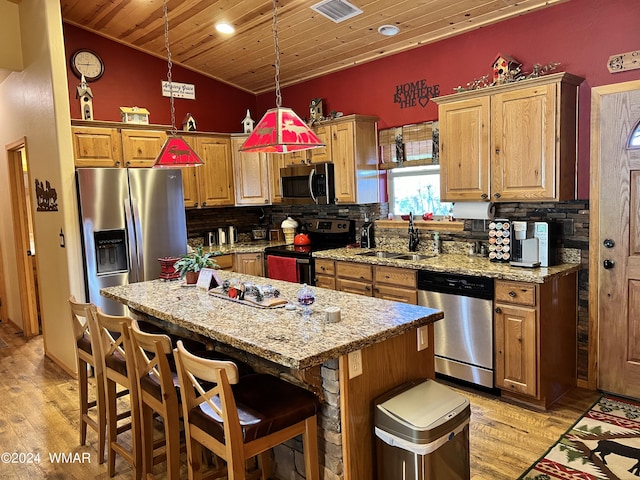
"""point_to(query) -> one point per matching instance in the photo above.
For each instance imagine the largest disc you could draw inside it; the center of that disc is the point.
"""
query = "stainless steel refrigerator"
(129, 217)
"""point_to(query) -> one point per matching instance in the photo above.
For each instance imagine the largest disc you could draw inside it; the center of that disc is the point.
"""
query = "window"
(417, 190)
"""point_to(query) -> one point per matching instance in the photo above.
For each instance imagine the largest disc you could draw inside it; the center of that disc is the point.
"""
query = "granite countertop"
(279, 335)
(451, 263)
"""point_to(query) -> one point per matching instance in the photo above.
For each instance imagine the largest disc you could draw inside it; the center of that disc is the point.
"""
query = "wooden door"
(464, 150)
(141, 147)
(615, 235)
(344, 161)
(251, 175)
(523, 136)
(215, 177)
(516, 346)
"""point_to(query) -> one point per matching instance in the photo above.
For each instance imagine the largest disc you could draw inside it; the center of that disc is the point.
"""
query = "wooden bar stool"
(240, 418)
(88, 354)
(119, 369)
(157, 389)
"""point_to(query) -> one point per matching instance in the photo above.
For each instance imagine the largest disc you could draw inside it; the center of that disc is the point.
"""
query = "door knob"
(607, 264)
(609, 243)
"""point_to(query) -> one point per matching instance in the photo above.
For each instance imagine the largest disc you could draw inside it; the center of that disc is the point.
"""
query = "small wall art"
(46, 196)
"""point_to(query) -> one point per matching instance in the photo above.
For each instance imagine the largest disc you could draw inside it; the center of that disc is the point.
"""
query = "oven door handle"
(303, 261)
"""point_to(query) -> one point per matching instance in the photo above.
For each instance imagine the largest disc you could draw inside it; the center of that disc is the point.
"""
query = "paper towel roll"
(473, 210)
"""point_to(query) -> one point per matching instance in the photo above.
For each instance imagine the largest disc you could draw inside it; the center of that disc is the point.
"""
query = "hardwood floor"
(39, 415)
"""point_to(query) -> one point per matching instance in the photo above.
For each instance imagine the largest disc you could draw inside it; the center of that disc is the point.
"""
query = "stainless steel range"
(324, 233)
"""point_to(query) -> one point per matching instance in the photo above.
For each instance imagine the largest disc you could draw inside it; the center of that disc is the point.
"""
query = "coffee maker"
(366, 235)
(524, 245)
(548, 235)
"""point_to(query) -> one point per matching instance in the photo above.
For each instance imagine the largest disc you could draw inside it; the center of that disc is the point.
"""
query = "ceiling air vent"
(336, 10)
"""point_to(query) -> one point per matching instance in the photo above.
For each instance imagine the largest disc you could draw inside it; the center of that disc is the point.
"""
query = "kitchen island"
(388, 344)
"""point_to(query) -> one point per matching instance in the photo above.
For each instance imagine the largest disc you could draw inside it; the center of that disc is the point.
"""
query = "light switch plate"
(355, 363)
(423, 337)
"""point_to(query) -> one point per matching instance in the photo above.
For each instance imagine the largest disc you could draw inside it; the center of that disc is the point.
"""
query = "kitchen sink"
(413, 256)
(380, 254)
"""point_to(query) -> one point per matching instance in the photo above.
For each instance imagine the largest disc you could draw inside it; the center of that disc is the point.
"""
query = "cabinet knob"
(117, 164)
(497, 151)
(608, 264)
(498, 310)
(128, 164)
(204, 204)
(367, 288)
(195, 204)
(497, 195)
(609, 243)
(512, 294)
(484, 196)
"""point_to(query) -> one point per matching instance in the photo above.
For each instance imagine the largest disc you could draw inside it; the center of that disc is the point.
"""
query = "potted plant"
(189, 265)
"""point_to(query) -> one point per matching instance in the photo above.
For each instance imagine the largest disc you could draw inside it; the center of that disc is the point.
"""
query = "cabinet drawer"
(396, 294)
(325, 267)
(353, 286)
(516, 292)
(326, 281)
(396, 276)
(225, 261)
(357, 271)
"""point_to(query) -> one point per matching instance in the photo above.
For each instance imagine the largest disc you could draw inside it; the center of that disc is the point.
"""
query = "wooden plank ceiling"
(310, 44)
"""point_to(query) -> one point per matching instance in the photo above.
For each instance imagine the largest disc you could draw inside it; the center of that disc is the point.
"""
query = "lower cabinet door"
(516, 347)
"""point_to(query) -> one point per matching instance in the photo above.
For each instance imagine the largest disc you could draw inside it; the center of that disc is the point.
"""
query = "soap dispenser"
(366, 234)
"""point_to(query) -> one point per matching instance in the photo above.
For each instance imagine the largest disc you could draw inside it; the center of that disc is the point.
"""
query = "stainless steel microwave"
(308, 184)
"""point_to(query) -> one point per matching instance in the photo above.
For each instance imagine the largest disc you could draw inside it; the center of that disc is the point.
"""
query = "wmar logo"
(415, 93)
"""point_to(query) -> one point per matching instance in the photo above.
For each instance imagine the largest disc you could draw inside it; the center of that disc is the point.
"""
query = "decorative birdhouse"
(315, 109)
(247, 123)
(135, 115)
(189, 123)
(85, 95)
(503, 68)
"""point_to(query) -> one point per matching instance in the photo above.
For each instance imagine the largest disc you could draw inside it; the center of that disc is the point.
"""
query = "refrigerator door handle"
(140, 251)
(133, 268)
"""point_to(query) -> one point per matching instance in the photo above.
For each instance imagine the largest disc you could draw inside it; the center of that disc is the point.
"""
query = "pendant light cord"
(277, 49)
(165, 13)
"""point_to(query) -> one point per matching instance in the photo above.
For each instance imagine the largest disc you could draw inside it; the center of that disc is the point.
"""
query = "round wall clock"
(88, 63)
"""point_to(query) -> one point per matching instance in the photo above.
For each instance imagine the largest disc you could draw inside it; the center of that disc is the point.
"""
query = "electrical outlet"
(423, 337)
(355, 363)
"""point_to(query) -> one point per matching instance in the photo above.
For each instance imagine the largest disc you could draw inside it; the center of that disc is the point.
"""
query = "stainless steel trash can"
(422, 433)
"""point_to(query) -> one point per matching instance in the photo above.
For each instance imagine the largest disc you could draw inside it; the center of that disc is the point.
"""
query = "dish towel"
(283, 268)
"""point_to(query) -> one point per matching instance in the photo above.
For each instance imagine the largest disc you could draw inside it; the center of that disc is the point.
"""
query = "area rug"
(604, 444)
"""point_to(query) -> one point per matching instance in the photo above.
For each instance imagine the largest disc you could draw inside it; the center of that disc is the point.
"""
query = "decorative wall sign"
(624, 61)
(180, 90)
(46, 196)
(415, 93)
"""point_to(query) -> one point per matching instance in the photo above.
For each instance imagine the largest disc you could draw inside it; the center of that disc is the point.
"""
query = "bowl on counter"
(405, 217)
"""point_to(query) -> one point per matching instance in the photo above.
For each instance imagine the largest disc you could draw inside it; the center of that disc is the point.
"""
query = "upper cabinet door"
(141, 147)
(464, 150)
(322, 154)
(342, 138)
(251, 175)
(215, 177)
(524, 144)
(96, 147)
(190, 177)
(276, 162)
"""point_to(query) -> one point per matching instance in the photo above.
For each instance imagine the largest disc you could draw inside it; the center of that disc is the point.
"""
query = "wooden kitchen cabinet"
(250, 264)
(354, 278)
(513, 142)
(96, 147)
(225, 262)
(325, 273)
(535, 339)
(141, 147)
(396, 284)
(251, 175)
(352, 146)
(211, 184)
(299, 157)
(276, 162)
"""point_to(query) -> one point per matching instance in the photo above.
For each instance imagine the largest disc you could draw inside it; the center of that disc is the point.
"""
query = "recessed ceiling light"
(388, 30)
(225, 28)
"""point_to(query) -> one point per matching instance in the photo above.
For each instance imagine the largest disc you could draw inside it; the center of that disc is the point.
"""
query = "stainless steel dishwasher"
(464, 337)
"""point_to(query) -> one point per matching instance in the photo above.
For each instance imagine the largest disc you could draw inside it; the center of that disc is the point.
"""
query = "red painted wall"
(580, 34)
(133, 78)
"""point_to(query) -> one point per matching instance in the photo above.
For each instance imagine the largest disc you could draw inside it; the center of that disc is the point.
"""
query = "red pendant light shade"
(176, 153)
(281, 131)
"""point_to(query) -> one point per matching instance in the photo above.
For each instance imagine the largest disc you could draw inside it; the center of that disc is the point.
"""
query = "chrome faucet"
(413, 235)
